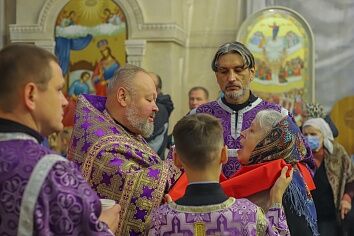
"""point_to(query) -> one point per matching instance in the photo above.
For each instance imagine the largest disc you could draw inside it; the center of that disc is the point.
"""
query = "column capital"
(135, 49)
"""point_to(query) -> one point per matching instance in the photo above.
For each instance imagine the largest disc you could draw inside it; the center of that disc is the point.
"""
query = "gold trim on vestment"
(203, 209)
(124, 183)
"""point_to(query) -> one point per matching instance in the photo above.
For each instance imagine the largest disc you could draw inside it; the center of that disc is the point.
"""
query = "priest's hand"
(279, 187)
(111, 217)
(168, 198)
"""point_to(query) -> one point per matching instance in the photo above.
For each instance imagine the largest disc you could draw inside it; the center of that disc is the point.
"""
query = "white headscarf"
(321, 125)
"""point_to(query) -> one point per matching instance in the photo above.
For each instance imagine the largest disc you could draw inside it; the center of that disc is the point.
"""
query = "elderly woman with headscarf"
(271, 142)
(272, 138)
(334, 177)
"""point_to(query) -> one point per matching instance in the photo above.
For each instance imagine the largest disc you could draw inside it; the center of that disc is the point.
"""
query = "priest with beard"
(109, 146)
(234, 67)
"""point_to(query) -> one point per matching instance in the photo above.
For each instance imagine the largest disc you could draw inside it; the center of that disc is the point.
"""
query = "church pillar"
(46, 44)
(135, 50)
(2, 22)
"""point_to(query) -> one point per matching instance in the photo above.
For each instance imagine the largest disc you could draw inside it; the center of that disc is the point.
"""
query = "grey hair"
(267, 119)
(233, 47)
(123, 78)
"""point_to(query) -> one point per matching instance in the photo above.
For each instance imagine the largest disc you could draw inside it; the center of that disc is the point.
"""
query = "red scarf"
(248, 180)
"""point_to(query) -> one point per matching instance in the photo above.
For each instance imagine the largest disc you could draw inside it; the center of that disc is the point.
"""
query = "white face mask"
(313, 141)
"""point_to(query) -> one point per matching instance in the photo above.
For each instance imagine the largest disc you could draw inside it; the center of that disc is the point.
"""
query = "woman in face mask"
(334, 178)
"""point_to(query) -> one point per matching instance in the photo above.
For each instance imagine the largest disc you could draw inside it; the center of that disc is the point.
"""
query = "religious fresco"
(90, 45)
(282, 44)
(90, 36)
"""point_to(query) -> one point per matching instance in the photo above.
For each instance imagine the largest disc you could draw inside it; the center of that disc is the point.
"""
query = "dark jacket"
(158, 139)
(331, 125)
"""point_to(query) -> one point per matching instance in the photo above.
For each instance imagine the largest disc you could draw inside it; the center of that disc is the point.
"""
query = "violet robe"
(234, 122)
(66, 205)
(232, 217)
(118, 164)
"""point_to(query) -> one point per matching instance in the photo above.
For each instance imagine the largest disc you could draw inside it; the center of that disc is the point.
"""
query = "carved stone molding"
(44, 28)
(26, 29)
(161, 32)
(46, 44)
(135, 50)
(47, 7)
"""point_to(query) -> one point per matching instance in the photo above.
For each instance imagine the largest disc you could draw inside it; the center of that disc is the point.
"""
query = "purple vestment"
(66, 205)
(233, 123)
(232, 217)
(118, 164)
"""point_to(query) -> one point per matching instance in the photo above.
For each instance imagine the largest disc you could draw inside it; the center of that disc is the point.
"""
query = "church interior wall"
(167, 11)
(182, 62)
(166, 59)
(7, 16)
(178, 37)
(27, 12)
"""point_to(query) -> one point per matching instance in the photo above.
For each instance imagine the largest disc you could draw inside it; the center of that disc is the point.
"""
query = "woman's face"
(311, 133)
(249, 140)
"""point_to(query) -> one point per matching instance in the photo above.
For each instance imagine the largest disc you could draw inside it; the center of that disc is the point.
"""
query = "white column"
(46, 44)
(135, 50)
(2, 23)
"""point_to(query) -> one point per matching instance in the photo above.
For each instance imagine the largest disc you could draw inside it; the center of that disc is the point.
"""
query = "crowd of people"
(239, 165)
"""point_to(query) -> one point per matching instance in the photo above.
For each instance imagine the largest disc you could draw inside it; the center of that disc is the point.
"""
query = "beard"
(235, 95)
(141, 124)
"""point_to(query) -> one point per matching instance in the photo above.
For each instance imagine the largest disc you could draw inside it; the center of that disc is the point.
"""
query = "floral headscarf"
(283, 141)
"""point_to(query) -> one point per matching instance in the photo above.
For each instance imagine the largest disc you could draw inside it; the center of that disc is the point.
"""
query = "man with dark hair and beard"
(109, 146)
(234, 68)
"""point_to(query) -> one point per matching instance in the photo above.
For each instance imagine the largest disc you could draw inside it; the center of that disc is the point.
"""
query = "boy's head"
(199, 143)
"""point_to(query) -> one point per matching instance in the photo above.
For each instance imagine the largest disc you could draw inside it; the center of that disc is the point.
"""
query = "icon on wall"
(90, 38)
(282, 44)
(90, 45)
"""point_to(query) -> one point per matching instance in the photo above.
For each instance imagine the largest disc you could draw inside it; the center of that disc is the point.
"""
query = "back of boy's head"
(199, 140)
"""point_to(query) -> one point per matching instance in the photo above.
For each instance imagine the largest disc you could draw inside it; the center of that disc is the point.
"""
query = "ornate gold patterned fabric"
(118, 164)
(232, 217)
